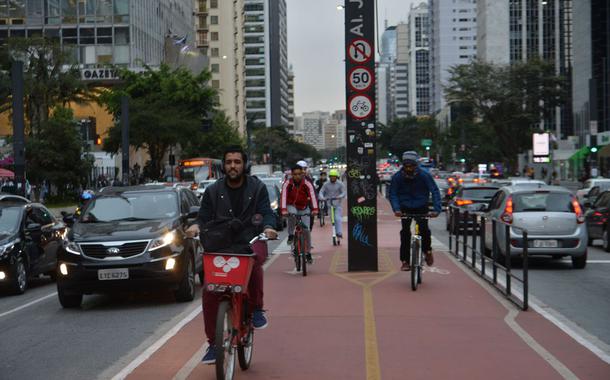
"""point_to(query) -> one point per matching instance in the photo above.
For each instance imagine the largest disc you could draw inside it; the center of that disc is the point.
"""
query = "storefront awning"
(580, 154)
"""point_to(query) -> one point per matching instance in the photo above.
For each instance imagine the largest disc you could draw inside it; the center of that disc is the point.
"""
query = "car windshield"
(132, 206)
(542, 201)
(479, 193)
(9, 220)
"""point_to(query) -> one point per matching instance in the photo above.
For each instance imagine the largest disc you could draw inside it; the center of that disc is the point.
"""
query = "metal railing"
(467, 226)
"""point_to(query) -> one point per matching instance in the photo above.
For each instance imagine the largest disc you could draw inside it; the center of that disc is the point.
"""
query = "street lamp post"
(18, 125)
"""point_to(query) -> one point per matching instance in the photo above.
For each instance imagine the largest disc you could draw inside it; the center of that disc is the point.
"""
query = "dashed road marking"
(28, 304)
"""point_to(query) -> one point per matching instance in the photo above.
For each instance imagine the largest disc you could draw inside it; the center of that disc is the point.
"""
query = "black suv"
(131, 238)
(30, 238)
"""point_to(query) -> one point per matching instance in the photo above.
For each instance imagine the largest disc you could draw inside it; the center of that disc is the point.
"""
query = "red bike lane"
(334, 324)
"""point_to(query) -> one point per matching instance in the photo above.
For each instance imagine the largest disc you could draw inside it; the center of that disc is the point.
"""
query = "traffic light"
(462, 160)
(593, 149)
(98, 140)
(427, 148)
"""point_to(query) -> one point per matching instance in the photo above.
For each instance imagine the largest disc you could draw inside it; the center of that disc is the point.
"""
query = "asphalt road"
(41, 340)
(579, 297)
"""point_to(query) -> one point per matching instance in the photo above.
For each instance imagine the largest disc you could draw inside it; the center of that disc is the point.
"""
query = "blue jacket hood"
(414, 193)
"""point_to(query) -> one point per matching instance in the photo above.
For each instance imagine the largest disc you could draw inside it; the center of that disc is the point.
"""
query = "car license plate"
(113, 274)
(545, 243)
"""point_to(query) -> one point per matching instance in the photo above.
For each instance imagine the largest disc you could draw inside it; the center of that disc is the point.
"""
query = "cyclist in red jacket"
(299, 198)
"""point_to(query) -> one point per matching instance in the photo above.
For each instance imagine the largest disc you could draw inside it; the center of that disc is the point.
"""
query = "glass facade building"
(101, 32)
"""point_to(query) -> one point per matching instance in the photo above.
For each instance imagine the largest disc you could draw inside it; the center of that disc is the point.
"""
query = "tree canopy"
(280, 146)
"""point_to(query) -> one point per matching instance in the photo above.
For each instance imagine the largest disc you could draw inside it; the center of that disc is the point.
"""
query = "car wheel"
(186, 289)
(606, 240)
(69, 300)
(53, 275)
(579, 262)
(20, 276)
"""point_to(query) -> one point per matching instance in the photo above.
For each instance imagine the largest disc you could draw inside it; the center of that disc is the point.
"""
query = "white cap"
(302, 164)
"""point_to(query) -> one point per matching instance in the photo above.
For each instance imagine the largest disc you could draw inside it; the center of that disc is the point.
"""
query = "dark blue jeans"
(405, 233)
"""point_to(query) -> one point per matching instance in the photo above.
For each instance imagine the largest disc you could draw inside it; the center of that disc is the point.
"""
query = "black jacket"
(216, 204)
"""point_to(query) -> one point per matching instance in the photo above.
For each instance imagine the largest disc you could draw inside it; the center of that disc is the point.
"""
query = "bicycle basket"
(226, 271)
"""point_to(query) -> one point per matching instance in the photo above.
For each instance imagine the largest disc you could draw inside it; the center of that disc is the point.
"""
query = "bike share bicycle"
(299, 245)
(228, 274)
(417, 254)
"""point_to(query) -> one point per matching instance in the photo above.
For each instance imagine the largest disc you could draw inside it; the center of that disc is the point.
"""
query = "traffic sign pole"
(361, 132)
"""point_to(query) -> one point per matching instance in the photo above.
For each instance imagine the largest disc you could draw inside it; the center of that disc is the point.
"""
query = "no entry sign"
(361, 126)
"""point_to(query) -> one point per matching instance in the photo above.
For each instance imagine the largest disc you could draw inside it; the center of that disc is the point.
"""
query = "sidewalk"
(339, 325)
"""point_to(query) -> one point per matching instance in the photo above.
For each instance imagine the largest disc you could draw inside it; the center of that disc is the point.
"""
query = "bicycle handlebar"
(260, 237)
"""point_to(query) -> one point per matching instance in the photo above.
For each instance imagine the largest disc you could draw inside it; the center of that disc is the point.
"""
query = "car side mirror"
(193, 212)
(33, 228)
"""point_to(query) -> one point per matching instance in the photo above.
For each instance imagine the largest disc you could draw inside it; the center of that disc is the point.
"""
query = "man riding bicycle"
(299, 198)
(241, 201)
(334, 192)
(410, 191)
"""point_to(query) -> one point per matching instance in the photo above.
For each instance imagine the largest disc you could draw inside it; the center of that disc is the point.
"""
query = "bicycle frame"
(416, 243)
(300, 252)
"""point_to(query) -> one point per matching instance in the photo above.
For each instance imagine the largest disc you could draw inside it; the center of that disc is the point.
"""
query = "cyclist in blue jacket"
(410, 191)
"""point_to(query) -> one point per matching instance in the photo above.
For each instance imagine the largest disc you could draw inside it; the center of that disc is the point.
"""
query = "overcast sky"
(315, 49)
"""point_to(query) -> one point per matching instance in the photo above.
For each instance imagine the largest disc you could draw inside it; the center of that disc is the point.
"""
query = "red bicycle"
(228, 274)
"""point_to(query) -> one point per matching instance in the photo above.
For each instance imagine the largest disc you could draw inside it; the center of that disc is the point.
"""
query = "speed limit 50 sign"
(360, 78)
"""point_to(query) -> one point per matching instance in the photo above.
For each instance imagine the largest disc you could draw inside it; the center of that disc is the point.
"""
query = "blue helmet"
(86, 195)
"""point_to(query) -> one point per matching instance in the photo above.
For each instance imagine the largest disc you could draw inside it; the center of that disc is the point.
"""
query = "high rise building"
(453, 41)
(102, 32)
(385, 76)
(419, 60)
(313, 128)
(266, 50)
(334, 131)
(220, 36)
(291, 125)
(530, 29)
(401, 72)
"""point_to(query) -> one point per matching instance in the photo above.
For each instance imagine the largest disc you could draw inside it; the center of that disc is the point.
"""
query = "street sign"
(361, 136)
(360, 79)
(360, 51)
(541, 144)
(360, 106)
(426, 142)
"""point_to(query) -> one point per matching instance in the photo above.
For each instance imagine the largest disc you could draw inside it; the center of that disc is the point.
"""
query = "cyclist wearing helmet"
(410, 191)
(335, 192)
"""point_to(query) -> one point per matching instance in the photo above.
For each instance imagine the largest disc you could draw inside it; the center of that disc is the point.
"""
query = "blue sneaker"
(259, 320)
(210, 355)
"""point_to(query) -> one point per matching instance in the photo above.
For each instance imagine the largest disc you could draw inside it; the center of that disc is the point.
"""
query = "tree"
(406, 134)
(508, 101)
(50, 79)
(56, 154)
(166, 108)
(213, 142)
(279, 144)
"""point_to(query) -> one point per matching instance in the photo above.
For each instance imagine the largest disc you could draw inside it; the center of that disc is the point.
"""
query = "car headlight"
(163, 241)
(71, 247)
(6, 248)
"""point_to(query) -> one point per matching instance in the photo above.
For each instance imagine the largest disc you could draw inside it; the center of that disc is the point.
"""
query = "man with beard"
(244, 198)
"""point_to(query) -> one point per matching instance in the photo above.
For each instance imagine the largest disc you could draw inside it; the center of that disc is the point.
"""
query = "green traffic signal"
(594, 149)
(462, 160)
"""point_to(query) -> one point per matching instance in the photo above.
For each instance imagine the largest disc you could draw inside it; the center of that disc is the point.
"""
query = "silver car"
(551, 215)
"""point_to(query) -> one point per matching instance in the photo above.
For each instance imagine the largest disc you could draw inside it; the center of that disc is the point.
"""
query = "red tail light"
(580, 217)
(194, 186)
(507, 215)
(463, 202)
(450, 191)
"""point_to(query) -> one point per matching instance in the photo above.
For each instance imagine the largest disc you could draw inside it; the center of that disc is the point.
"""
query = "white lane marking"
(173, 331)
(509, 319)
(590, 342)
(28, 304)
(193, 362)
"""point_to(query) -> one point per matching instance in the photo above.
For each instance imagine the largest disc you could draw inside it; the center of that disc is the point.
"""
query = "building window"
(213, 4)
(214, 20)
(214, 36)
(216, 84)
(215, 52)
(215, 68)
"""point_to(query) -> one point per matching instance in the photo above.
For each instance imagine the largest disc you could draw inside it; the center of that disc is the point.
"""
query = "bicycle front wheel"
(246, 344)
(225, 352)
(415, 273)
(321, 216)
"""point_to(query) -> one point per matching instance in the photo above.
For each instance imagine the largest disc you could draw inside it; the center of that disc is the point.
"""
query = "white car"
(202, 185)
(580, 194)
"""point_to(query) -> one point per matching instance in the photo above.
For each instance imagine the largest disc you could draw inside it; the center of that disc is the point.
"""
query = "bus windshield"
(195, 173)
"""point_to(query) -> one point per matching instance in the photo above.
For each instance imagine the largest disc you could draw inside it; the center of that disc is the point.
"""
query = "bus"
(196, 170)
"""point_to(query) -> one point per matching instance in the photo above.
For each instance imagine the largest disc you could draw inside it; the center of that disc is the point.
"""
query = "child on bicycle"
(334, 192)
(410, 191)
(299, 198)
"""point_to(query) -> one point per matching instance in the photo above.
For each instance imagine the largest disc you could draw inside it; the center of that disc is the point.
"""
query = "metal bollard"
(494, 250)
(482, 243)
(465, 237)
(474, 239)
(507, 259)
(525, 272)
(449, 215)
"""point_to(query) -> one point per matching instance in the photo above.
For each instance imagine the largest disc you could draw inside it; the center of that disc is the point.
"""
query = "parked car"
(202, 186)
(597, 220)
(470, 197)
(552, 216)
(587, 186)
(274, 199)
(131, 238)
(30, 238)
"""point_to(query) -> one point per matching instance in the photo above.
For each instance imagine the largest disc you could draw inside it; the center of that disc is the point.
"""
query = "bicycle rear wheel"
(296, 252)
(225, 353)
(321, 216)
(246, 345)
(415, 265)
